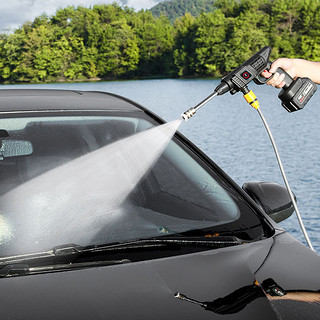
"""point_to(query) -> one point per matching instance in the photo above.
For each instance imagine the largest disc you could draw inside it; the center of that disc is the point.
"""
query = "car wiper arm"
(64, 250)
(71, 251)
(12, 270)
(214, 242)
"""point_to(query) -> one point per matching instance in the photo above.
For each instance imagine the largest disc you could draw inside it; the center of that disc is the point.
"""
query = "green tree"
(12, 49)
(309, 27)
(230, 8)
(178, 8)
(246, 36)
(210, 40)
(184, 48)
(36, 55)
(155, 42)
(284, 20)
(118, 50)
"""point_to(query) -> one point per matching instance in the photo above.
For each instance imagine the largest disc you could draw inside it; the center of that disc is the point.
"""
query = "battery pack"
(297, 95)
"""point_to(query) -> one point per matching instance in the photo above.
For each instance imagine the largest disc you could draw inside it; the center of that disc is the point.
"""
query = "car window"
(56, 188)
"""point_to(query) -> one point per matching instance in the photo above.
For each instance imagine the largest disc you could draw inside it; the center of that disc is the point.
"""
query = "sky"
(13, 13)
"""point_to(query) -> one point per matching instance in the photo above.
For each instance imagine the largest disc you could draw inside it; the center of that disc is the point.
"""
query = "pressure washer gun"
(294, 95)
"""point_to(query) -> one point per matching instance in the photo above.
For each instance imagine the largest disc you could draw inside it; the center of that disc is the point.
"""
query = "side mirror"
(272, 198)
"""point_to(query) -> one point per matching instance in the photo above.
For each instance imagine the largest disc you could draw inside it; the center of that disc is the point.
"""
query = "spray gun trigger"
(259, 79)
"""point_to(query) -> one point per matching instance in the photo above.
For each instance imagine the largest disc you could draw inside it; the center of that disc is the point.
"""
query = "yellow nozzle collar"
(252, 99)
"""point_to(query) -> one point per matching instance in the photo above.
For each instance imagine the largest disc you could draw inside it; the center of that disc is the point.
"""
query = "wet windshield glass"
(64, 180)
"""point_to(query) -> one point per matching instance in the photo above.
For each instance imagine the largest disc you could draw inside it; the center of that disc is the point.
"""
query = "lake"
(232, 134)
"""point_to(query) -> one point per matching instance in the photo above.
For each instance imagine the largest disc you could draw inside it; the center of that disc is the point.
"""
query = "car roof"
(12, 100)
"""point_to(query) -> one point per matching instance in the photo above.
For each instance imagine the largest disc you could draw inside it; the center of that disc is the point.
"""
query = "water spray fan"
(294, 96)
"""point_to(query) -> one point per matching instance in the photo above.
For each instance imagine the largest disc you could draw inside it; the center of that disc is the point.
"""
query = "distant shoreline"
(107, 79)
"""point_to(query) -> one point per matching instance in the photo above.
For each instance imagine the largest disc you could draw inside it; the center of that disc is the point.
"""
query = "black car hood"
(225, 282)
(295, 268)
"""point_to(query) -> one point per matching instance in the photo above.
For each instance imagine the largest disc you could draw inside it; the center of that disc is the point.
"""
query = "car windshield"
(62, 183)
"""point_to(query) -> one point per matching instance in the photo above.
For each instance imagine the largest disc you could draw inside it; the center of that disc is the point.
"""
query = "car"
(108, 212)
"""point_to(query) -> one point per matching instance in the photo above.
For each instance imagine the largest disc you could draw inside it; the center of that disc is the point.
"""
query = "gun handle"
(287, 78)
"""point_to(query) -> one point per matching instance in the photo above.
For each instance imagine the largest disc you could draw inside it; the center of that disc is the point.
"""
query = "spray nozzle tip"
(184, 117)
(179, 295)
(188, 114)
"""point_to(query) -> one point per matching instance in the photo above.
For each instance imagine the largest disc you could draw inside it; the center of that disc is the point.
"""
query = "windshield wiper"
(13, 270)
(58, 251)
(75, 250)
(212, 242)
(72, 256)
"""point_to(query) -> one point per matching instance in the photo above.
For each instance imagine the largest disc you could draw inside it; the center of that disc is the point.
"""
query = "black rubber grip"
(287, 78)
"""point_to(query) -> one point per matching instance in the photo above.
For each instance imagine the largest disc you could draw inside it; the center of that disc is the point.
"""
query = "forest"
(176, 8)
(114, 42)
